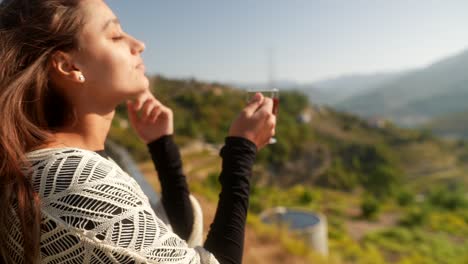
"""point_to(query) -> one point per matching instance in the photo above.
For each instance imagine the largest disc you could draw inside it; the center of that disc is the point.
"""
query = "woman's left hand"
(150, 118)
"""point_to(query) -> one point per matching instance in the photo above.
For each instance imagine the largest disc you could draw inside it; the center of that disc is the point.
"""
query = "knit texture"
(94, 212)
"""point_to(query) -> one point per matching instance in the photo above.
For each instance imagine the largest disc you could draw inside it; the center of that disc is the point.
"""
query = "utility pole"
(271, 68)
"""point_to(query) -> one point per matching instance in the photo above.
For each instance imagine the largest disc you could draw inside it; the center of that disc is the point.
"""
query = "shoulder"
(50, 155)
(53, 171)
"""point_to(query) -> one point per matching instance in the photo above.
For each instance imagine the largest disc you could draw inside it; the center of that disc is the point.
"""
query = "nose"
(138, 46)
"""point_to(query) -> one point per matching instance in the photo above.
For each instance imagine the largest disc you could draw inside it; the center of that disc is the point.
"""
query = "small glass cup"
(271, 93)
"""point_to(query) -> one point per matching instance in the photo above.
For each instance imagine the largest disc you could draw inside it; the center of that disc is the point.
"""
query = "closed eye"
(117, 37)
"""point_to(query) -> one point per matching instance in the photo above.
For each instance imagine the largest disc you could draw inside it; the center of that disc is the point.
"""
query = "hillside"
(450, 126)
(335, 90)
(383, 189)
(332, 90)
(417, 96)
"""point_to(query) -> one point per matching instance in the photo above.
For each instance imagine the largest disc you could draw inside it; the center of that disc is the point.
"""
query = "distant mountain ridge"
(409, 98)
(335, 90)
(332, 90)
(419, 95)
(346, 86)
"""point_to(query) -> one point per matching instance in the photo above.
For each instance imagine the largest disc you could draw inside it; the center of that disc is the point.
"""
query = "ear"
(63, 67)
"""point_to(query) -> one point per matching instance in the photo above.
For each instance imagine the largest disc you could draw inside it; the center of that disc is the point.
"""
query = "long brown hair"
(30, 32)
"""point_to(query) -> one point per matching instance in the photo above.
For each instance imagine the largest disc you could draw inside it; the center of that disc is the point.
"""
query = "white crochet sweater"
(94, 212)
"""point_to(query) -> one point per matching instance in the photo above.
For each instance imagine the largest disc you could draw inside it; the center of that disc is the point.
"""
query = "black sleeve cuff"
(238, 155)
(165, 153)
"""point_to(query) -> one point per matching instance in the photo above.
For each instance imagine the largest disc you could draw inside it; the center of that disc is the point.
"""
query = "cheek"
(106, 67)
(111, 73)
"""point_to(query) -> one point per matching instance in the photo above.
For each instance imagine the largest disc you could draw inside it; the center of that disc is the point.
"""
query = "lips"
(141, 66)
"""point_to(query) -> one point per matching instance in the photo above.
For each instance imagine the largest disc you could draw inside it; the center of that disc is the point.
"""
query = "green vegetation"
(370, 207)
(418, 246)
(450, 125)
(353, 171)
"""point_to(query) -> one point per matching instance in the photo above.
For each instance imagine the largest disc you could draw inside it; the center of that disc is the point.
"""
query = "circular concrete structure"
(310, 225)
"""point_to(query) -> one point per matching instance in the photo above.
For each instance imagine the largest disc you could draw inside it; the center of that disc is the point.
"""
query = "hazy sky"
(228, 40)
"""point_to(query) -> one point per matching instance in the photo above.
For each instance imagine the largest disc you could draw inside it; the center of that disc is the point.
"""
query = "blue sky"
(220, 40)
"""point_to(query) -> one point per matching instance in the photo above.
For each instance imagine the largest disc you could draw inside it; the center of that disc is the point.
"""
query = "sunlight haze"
(311, 40)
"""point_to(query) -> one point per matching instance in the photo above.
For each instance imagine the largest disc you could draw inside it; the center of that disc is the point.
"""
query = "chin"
(146, 83)
(142, 85)
(140, 89)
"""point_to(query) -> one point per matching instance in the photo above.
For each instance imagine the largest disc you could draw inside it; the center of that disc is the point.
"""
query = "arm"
(155, 127)
(226, 237)
(250, 131)
(175, 192)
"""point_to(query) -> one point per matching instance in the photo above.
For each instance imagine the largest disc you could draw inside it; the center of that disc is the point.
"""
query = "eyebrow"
(110, 21)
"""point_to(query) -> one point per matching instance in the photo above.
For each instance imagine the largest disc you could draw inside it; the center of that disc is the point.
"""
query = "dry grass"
(258, 248)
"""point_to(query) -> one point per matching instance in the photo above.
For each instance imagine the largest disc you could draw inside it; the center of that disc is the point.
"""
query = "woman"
(65, 66)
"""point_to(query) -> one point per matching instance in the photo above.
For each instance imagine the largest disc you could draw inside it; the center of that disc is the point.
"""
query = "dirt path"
(358, 228)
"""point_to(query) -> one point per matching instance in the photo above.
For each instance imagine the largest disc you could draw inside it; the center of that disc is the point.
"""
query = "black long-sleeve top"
(226, 236)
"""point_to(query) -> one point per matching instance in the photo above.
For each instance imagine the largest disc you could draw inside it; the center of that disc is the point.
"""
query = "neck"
(88, 132)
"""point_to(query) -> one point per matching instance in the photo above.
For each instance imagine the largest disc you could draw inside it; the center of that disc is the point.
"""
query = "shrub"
(405, 198)
(448, 198)
(414, 217)
(370, 207)
(212, 182)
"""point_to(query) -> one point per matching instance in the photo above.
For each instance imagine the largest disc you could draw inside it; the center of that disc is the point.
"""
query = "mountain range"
(417, 96)
(328, 91)
(409, 98)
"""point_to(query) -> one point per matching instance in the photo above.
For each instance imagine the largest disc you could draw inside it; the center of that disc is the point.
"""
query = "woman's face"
(108, 58)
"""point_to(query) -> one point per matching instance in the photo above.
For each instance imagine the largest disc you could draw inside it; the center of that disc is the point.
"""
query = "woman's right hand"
(256, 122)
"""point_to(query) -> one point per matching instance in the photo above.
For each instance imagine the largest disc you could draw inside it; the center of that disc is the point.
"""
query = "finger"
(147, 108)
(271, 121)
(166, 112)
(157, 114)
(148, 115)
(267, 106)
(254, 104)
(154, 114)
(265, 142)
(273, 125)
(132, 114)
(157, 110)
(156, 100)
(140, 101)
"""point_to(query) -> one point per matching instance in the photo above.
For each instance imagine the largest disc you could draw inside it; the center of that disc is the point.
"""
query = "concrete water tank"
(312, 226)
